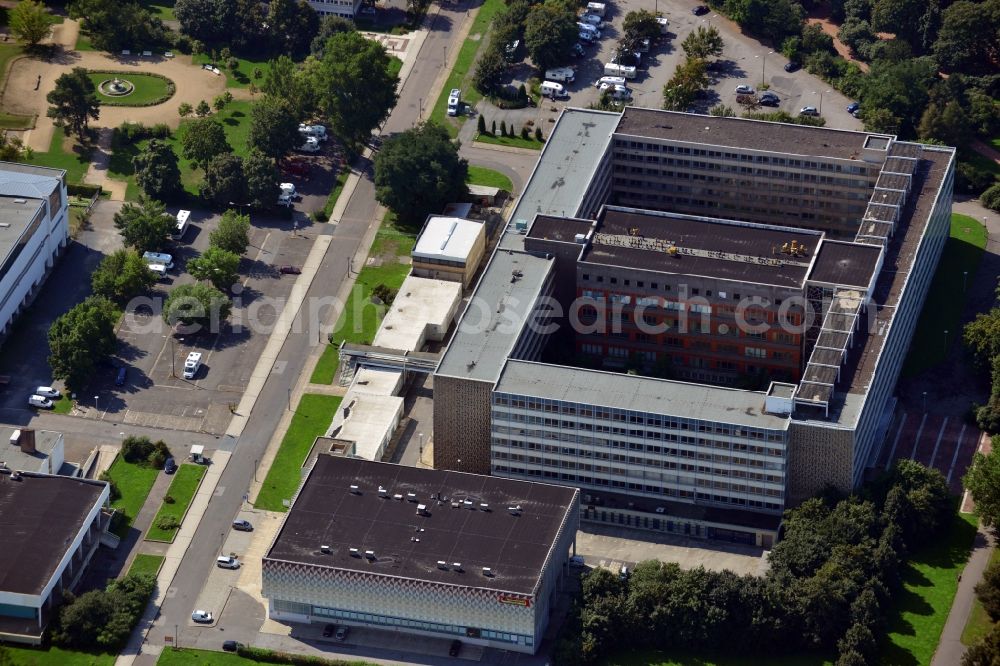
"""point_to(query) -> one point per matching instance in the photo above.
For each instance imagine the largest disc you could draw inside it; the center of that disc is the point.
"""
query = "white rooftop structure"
(422, 310)
(448, 239)
(368, 420)
(377, 381)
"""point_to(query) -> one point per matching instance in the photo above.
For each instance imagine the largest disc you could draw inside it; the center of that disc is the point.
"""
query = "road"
(348, 233)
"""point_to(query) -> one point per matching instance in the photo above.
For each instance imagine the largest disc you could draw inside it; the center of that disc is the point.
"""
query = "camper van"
(597, 8)
(627, 71)
(561, 74)
(180, 228)
(158, 258)
(553, 89)
(191, 365)
(159, 269)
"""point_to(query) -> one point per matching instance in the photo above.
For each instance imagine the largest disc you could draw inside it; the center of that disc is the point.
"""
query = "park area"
(131, 89)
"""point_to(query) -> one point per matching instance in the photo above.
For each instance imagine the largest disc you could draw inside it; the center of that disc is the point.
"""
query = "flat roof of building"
(568, 162)
(846, 264)
(705, 247)
(327, 513)
(419, 303)
(366, 419)
(448, 239)
(14, 458)
(28, 180)
(743, 133)
(377, 381)
(640, 394)
(40, 516)
(16, 215)
(562, 229)
(495, 316)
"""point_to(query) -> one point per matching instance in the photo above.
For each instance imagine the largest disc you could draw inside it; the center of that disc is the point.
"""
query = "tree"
(103, 619)
(232, 234)
(901, 88)
(203, 139)
(285, 80)
(218, 266)
(355, 89)
(991, 197)
(689, 79)
(703, 43)
(982, 480)
(329, 26)
(772, 19)
(949, 125)
(79, 338)
(418, 171)
(156, 170)
(203, 109)
(491, 68)
(550, 34)
(293, 25)
(249, 29)
(900, 17)
(261, 174)
(969, 38)
(30, 21)
(144, 225)
(640, 25)
(274, 128)
(209, 21)
(185, 110)
(982, 337)
(986, 652)
(122, 275)
(113, 25)
(74, 101)
(142, 451)
(224, 181)
(196, 307)
(988, 591)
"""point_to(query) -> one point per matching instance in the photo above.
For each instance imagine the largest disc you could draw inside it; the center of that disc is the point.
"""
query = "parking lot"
(743, 61)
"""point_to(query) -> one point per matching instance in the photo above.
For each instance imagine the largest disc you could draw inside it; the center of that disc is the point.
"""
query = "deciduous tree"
(292, 25)
(30, 21)
(74, 101)
(196, 307)
(969, 38)
(215, 265)
(703, 43)
(81, 337)
(156, 170)
(144, 225)
(982, 480)
(490, 71)
(202, 140)
(261, 173)
(274, 128)
(224, 181)
(550, 34)
(232, 234)
(122, 275)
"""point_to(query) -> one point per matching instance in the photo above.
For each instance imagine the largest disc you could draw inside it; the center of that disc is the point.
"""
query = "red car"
(289, 270)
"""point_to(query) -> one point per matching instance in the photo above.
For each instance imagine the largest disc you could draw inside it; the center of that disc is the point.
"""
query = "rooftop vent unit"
(514, 510)
(442, 565)
(457, 566)
(488, 572)
(325, 550)
(483, 506)
(411, 497)
(397, 496)
(355, 552)
(421, 509)
(355, 490)
(382, 492)
(370, 554)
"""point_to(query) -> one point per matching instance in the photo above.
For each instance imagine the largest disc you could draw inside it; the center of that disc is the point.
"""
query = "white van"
(454, 101)
(311, 145)
(553, 89)
(318, 131)
(627, 71)
(589, 29)
(158, 258)
(610, 81)
(592, 19)
(663, 23)
(597, 8)
(183, 217)
(159, 269)
(563, 74)
(191, 365)
(619, 93)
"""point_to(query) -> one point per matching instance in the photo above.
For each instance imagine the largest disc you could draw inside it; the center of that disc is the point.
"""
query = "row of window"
(789, 185)
(795, 176)
(450, 629)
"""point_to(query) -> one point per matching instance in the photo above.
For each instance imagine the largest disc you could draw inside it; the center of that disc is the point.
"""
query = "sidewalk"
(950, 648)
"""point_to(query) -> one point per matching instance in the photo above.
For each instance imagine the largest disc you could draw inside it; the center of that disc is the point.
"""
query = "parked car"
(121, 376)
(791, 66)
(170, 466)
(48, 392)
(202, 616)
(456, 647)
(578, 50)
(510, 49)
(744, 89)
(619, 93)
(227, 562)
(700, 10)
(593, 19)
(40, 402)
(289, 270)
(311, 145)
(341, 633)
(454, 102)
(328, 630)
(808, 111)
(285, 201)
(768, 98)
(192, 364)
(231, 646)
(853, 108)
(577, 561)
(586, 38)
(241, 525)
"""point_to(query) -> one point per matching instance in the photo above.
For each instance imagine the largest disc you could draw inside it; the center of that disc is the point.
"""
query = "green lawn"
(680, 658)
(74, 162)
(148, 89)
(395, 64)
(187, 478)
(513, 141)
(943, 308)
(134, 483)
(184, 657)
(83, 43)
(338, 187)
(360, 319)
(25, 656)
(162, 9)
(63, 405)
(461, 74)
(979, 623)
(242, 76)
(146, 564)
(235, 119)
(920, 609)
(489, 177)
(312, 417)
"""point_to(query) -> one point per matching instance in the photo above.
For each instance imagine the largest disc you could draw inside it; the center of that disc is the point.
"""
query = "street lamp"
(763, 60)
(965, 278)
(946, 341)
(820, 99)
(925, 401)
(173, 355)
(289, 399)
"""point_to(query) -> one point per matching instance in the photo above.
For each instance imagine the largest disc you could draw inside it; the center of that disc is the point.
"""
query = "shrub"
(103, 619)
(538, 134)
(320, 216)
(115, 493)
(988, 591)
(971, 179)
(503, 128)
(481, 124)
(384, 293)
(524, 132)
(141, 451)
(991, 197)
(168, 523)
(169, 499)
(493, 128)
(182, 43)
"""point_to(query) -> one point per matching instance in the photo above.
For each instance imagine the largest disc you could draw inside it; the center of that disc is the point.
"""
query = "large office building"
(426, 552)
(34, 228)
(51, 526)
(698, 321)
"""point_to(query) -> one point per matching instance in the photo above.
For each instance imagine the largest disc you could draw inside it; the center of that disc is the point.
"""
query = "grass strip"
(134, 483)
(185, 484)
(146, 564)
(488, 177)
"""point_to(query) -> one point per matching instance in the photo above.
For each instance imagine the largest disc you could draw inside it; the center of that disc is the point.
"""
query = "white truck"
(597, 8)
(317, 131)
(561, 74)
(613, 69)
(158, 258)
(553, 90)
(183, 218)
(191, 365)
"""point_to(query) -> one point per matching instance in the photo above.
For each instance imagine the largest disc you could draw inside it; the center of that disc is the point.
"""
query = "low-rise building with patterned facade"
(427, 552)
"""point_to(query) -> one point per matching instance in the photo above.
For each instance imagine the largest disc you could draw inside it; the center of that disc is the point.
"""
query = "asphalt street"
(348, 233)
